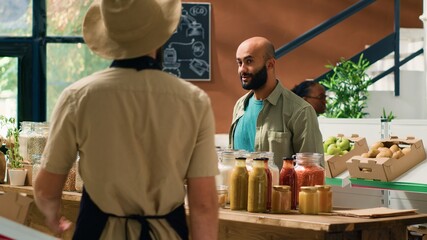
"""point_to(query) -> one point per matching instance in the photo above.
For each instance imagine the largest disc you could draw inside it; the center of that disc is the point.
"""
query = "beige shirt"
(139, 136)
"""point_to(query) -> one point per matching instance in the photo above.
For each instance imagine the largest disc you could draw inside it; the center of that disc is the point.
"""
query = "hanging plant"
(347, 87)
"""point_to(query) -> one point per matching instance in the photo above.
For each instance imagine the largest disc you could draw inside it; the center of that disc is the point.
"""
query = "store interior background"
(283, 21)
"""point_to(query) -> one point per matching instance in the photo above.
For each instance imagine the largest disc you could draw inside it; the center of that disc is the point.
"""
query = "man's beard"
(258, 79)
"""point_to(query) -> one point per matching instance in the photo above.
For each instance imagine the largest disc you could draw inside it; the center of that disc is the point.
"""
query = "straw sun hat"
(121, 29)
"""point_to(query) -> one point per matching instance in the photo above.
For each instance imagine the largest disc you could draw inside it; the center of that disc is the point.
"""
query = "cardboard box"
(335, 165)
(387, 169)
(15, 207)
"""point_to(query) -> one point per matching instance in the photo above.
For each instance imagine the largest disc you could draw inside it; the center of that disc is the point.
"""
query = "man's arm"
(203, 203)
(47, 195)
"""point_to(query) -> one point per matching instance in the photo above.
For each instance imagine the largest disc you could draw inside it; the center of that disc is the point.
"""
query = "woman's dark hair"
(303, 89)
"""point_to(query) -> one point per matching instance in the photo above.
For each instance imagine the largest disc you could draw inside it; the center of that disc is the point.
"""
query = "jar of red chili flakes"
(308, 170)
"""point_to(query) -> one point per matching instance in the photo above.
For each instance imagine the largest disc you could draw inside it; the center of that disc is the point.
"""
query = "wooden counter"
(238, 225)
(70, 209)
(243, 225)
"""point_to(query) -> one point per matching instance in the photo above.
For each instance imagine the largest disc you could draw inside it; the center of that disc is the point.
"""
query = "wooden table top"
(323, 222)
(28, 190)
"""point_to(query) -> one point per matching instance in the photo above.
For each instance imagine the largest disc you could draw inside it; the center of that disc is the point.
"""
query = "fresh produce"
(379, 150)
(337, 146)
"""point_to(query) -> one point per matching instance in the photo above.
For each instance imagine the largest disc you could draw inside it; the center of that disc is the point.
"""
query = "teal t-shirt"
(244, 135)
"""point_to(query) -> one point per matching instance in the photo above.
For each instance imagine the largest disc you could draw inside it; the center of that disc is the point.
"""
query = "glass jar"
(222, 192)
(288, 177)
(269, 182)
(275, 172)
(36, 166)
(24, 135)
(257, 187)
(308, 170)
(249, 160)
(308, 200)
(225, 165)
(325, 198)
(37, 140)
(281, 199)
(238, 191)
(79, 180)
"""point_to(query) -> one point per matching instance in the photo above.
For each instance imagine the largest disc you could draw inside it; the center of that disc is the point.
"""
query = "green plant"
(11, 141)
(347, 88)
(388, 117)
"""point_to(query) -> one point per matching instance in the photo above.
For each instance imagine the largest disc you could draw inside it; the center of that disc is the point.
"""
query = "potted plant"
(347, 88)
(17, 173)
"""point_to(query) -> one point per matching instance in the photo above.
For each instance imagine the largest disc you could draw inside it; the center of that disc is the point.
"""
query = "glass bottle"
(281, 199)
(239, 185)
(288, 177)
(257, 187)
(275, 172)
(308, 170)
(308, 200)
(269, 182)
(325, 198)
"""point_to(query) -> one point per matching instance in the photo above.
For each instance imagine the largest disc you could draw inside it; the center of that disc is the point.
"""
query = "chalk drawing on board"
(187, 52)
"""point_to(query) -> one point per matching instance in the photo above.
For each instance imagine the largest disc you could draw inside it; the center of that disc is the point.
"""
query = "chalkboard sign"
(187, 53)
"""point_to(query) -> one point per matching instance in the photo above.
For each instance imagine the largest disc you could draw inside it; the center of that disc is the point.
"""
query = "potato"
(406, 150)
(365, 155)
(373, 153)
(398, 154)
(385, 153)
(377, 145)
(394, 148)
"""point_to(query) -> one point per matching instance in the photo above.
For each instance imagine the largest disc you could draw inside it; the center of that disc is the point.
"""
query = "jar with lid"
(308, 200)
(238, 191)
(257, 187)
(24, 135)
(275, 172)
(325, 198)
(225, 165)
(288, 177)
(281, 199)
(308, 170)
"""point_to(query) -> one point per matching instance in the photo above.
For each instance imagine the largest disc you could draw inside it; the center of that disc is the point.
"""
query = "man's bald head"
(259, 44)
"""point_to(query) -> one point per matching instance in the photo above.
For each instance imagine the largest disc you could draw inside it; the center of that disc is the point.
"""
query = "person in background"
(270, 117)
(140, 133)
(313, 93)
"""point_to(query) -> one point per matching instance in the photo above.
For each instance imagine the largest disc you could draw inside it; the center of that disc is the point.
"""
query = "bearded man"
(270, 117)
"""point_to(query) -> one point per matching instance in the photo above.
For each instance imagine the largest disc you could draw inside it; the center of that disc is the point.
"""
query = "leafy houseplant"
(347, 87)
(12, 142)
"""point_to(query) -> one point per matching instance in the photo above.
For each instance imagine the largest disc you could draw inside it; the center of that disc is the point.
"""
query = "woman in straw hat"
(140, 133)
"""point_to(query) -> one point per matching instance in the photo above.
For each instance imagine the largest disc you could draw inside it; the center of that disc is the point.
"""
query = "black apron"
(91, 220)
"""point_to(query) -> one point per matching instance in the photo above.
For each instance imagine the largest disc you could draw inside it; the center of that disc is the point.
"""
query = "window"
(41, 54)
